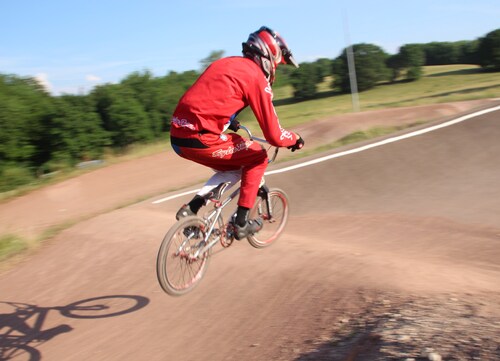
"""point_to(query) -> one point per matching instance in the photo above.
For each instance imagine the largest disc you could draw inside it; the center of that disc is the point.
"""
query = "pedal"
(229, 237)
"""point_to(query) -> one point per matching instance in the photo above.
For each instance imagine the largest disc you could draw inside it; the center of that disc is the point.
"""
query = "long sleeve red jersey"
(221, 92)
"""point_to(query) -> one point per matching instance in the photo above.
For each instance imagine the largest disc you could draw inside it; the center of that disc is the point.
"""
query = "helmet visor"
(286, 53)
(287, 56)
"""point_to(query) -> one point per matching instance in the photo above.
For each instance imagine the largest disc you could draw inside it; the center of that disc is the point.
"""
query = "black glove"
(234, 125)
(298, 144)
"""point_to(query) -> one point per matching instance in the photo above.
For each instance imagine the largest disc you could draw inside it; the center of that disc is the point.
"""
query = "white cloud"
(92, 78)
(43, 79)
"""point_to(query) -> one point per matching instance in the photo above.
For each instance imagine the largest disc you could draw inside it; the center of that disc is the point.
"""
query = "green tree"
(489, 50)
(103, 96)
(283, 76)
(129, 121)
(370, 65)
(441, 53)
(323, 68)
(146, 90)
(413, 58)
(76, 132)
(213, 56)
(172, 87)
(412, 55)
(24, 109)
(414, 73)
(468, 52)
(122, 115)
(396, 64)
(304, 81)
(15, 136)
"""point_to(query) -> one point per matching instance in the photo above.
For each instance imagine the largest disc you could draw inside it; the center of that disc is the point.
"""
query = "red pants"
(231, 152)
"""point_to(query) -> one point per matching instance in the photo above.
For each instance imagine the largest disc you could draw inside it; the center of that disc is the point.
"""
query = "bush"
(370, 64)
(304, 81)
(414, 73)
(14, 176)
(489, 50)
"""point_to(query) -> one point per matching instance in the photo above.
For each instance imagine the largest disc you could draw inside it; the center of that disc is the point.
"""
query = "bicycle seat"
(216, 193)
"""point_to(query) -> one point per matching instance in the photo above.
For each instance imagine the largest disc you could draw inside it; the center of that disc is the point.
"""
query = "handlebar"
(251, 136)
(260, 140)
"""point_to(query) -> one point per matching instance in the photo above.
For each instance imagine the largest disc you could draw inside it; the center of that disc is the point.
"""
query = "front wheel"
(180, 266)
(274, 219)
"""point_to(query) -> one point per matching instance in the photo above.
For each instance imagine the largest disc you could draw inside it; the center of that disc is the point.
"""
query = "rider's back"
(222, 90)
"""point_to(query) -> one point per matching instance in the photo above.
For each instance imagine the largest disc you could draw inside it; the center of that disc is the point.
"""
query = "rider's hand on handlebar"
(298, 144)
(234, 125)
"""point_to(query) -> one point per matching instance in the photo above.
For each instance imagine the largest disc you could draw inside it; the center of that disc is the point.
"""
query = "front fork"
(264, 194)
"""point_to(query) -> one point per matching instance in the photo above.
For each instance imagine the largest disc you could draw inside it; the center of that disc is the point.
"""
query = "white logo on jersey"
(221, 153)
(182, 123)
(285, 134)
(268, 90)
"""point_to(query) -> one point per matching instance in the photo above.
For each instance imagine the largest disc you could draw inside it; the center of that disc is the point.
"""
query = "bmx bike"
(185, 251)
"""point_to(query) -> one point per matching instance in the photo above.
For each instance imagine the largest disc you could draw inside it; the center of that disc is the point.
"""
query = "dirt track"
(391, 253)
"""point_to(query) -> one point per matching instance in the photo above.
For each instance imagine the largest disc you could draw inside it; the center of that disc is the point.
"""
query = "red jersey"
(220, 93)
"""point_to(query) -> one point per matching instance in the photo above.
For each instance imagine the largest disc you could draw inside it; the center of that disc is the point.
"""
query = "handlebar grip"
(234, 125)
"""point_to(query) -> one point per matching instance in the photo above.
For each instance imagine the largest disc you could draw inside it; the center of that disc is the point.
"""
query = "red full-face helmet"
(268, 49)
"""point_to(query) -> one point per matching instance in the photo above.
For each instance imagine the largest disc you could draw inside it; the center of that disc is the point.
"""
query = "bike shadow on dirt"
(22, 325)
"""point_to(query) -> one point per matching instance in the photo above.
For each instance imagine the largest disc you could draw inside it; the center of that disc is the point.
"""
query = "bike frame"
(215, 216)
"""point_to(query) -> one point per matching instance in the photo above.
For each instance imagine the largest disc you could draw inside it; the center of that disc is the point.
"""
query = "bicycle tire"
(174, 253)
(272, 228)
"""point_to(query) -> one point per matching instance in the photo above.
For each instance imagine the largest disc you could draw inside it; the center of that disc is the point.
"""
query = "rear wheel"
(179, 265)
(274, 221)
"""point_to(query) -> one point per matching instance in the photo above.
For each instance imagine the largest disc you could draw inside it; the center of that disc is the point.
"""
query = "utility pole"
(351, 66)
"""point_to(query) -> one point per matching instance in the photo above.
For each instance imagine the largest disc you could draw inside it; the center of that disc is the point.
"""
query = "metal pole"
(351, 66)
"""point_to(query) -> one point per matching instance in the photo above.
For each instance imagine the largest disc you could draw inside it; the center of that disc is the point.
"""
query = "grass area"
(440, 84)
(11, 245)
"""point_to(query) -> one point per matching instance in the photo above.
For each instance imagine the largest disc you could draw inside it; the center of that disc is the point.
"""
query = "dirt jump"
(391, 253)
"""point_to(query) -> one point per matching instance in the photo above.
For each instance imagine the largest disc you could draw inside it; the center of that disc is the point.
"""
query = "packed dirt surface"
(390, 254)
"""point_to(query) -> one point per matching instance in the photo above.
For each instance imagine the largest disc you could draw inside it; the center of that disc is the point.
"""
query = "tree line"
(373, 65)
(41, 133)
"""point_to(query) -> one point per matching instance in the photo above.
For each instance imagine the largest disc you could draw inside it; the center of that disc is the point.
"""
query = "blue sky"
(73, 45)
